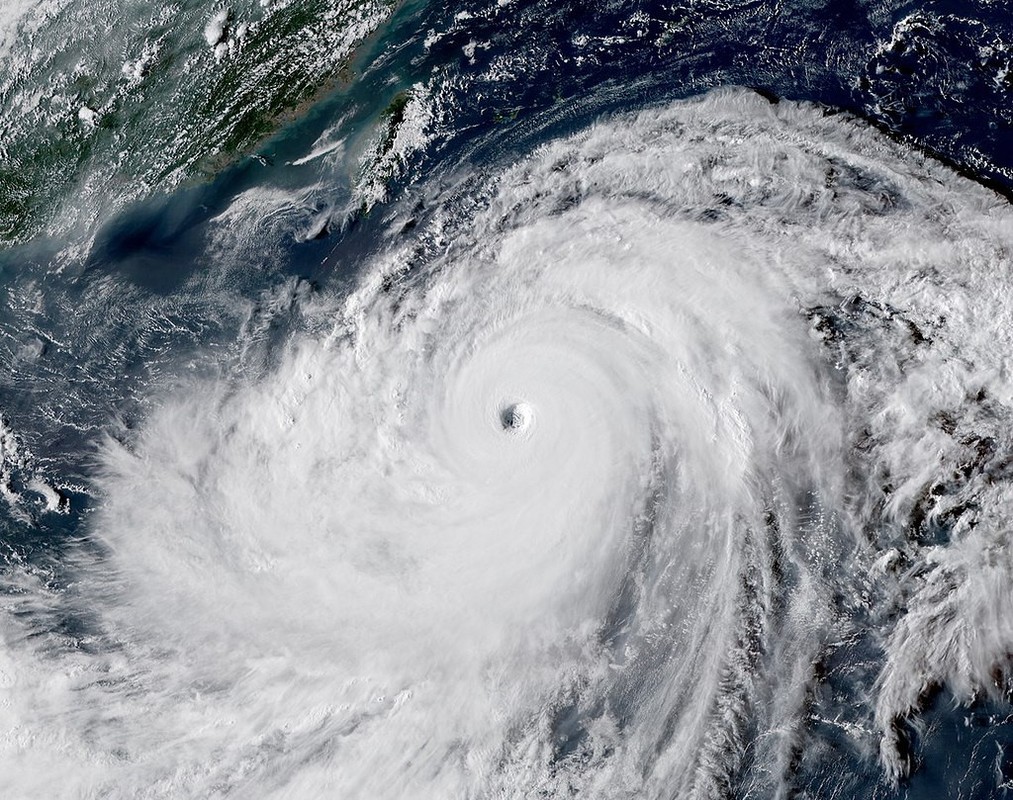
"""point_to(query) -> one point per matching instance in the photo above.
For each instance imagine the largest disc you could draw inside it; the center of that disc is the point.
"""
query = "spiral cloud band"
(576, 496)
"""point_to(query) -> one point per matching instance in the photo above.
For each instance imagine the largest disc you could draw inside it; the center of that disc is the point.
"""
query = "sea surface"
(506, 399)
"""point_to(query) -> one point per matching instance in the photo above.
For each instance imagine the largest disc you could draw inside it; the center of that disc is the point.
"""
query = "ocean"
(506, 399)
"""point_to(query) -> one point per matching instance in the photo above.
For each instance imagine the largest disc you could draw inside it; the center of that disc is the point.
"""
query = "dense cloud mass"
(581, 491)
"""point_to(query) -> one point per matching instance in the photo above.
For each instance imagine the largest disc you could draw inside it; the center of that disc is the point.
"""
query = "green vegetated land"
(185, 101)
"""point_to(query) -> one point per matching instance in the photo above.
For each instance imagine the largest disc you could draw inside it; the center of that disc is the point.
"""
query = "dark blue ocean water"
(82, 337)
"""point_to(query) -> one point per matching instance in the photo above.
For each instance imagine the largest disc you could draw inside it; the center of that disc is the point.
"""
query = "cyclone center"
(516, 417)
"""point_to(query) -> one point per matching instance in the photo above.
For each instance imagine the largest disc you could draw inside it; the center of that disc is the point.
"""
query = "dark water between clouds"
(84, 335)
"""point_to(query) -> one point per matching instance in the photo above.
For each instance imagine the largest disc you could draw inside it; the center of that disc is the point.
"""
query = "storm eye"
(515, 417)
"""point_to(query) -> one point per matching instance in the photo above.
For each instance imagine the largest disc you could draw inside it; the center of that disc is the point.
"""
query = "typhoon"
(667, 461)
